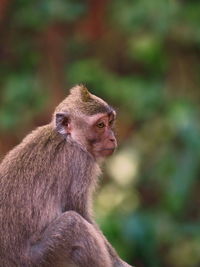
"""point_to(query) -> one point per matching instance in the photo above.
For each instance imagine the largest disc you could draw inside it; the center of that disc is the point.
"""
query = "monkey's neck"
(81, 177)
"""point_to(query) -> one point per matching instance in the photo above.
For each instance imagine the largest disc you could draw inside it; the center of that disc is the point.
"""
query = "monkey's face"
(102, 141)
(95, 133)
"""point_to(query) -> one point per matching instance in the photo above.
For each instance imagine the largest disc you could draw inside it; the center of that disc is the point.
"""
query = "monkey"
(46, 188)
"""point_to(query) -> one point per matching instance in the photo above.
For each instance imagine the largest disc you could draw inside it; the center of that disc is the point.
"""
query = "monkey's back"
(28, 175)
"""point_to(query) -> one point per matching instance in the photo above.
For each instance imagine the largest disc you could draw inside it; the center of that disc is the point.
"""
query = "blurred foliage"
(46, 11)
(143, 57)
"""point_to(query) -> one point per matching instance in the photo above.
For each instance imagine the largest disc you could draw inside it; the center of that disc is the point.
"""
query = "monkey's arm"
(70, 240)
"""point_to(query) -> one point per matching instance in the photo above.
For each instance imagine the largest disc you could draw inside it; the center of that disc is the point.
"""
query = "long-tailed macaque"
(46, 186)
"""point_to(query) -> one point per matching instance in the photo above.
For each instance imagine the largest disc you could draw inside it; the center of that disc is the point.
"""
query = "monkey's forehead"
(94, 118)
(95, 108)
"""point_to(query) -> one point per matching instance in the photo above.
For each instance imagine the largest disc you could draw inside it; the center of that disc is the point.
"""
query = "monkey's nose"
(114, 142)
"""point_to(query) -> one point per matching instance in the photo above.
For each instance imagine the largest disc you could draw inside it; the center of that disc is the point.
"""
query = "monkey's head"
(87, 120)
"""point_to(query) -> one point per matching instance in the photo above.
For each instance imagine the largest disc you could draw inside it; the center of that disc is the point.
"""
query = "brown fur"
(87, 103)
(46, 186)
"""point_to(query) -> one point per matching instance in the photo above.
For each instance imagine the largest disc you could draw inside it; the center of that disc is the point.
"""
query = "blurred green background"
(142, 56)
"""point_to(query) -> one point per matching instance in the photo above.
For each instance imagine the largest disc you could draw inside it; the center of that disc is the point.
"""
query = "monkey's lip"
(107, 151)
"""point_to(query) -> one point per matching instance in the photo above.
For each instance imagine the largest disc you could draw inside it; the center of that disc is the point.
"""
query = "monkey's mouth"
(107, 151)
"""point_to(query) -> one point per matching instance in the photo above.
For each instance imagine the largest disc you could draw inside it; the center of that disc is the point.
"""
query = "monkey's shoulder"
(35, 144)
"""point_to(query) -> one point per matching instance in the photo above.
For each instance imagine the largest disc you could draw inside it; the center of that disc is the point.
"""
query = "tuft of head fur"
(81, 92)
(80, 100)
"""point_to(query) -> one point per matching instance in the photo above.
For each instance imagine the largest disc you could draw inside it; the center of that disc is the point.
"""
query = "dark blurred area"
(143, 57)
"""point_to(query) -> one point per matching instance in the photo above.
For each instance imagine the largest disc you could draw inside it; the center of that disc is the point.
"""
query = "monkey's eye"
(100, 125)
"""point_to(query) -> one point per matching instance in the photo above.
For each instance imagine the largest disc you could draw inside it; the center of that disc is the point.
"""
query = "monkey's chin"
(106, 152)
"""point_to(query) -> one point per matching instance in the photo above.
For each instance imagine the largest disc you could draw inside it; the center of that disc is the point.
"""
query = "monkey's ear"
(62, 122)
